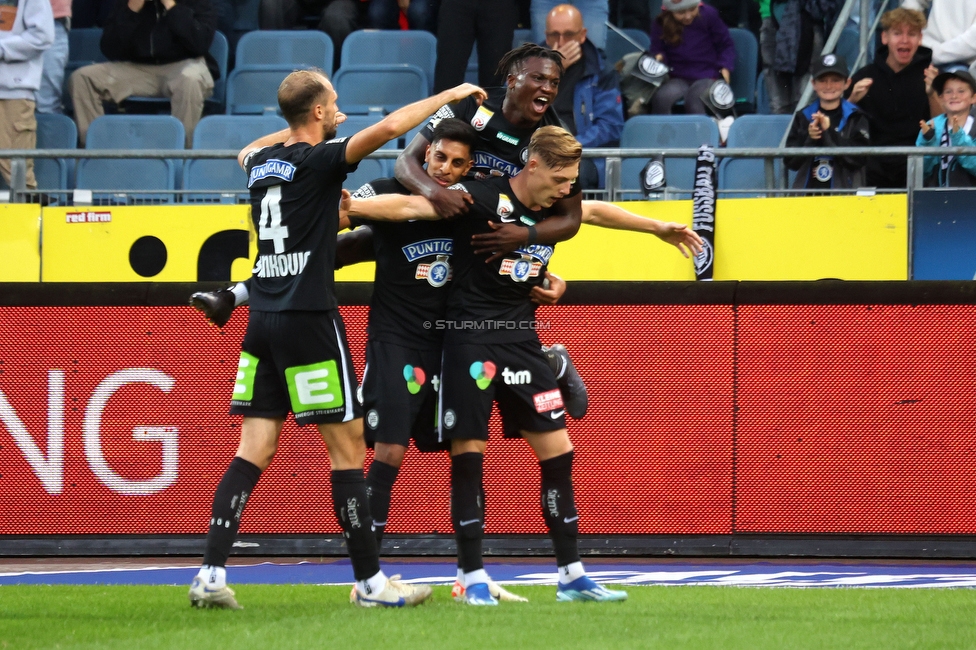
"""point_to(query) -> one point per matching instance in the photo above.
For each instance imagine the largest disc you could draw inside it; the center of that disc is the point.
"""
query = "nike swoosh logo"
(468, 522)
(555, 415)
(569, 520)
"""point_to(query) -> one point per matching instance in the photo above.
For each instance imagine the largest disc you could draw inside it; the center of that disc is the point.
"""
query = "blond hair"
(555, 146)
(903, 16)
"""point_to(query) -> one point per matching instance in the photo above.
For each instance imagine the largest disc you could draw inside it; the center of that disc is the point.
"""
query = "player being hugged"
(492, 353)
(294, 356)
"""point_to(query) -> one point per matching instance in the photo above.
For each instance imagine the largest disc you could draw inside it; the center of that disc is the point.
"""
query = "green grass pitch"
(306, 616)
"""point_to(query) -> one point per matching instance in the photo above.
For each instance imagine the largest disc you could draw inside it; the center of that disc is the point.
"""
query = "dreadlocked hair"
(513, 59)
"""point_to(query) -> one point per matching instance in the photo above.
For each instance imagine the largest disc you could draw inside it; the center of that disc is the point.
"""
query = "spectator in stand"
(90, 13)
(337, 18)
(595, 14)
(950, 33)
(695, 43)
(155, 48)
(830, 121)
(26, 31)
(385, 14)
(790, 41)
(48, 97)
(588, 102)
(956, 127)
(895, 92)
(462, 22)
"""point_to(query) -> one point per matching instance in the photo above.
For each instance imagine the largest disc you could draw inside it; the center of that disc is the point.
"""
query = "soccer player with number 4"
(294, 356)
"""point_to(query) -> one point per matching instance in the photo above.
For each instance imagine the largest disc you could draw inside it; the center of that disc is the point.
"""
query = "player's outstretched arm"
(410, 171)
(608, 215)
(387, 207)
(403, 119)
(563, 224)
(261, 143)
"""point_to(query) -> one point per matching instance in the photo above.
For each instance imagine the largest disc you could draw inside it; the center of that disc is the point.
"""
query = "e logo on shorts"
(247, 367)
(315, 386)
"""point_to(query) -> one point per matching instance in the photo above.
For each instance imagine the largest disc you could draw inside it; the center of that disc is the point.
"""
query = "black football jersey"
(504, 148)
(413, 271)
(295, 193)
(490, 303)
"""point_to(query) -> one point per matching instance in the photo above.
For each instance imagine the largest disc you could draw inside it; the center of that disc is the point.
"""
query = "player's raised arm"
(387, 207)
(410, 171)
(608, 215)
(402, 120)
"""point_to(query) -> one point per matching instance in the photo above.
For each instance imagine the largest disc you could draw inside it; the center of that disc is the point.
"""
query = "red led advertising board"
(704, 419)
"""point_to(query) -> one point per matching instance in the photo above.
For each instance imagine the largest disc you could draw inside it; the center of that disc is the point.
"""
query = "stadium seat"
(379, 88)
(751, 131)
(224, 132)
(219, 50)
(665, 132)
(743, 77)
(371, 168)
(84, 47)
(306, 48)
(254, 91)
(849, 46)
(618, 46)
(54, 132)
(112, 177)
(521, 36)
(762, 95)
(383, 47)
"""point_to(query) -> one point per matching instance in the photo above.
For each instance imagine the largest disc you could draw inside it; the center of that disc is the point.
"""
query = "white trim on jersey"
(346, 388)
(440, 403)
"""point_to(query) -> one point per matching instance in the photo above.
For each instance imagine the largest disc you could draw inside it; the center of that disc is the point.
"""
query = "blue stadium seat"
(521, 36)
(131, 132)
(383, 47)
(751, 131)
(849, 46)
(84, 47)
(219, 50)
(54, 132)
(254, 91)
(618, 46)
(305, 49)
(665, 132)
(369, 169)
(762, 95)
(379, 88)
(224, 132)
(743, 78)
(412, 133)
(471, 72)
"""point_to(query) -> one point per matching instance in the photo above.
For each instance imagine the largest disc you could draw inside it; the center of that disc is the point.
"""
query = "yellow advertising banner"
(20, 243)
(811, 238)
(166, 243)
(801, 238)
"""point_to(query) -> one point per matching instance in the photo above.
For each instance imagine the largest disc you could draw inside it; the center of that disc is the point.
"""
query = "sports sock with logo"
(229, 500)
(379, 489)
(467, 508)
(352, 510)
(559, 507)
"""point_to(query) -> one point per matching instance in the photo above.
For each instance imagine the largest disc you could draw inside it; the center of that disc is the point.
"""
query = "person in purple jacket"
(695, 43)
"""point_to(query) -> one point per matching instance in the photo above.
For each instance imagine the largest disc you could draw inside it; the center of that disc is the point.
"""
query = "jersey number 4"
(270, 228)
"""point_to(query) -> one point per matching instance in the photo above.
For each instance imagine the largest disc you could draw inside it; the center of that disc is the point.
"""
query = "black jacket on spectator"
(895, 104)
(848, 128)
(157, 36)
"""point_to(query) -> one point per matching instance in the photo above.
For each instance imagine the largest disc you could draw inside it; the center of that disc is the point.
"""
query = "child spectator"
(696, 44)
(956, 127)
(830, 121)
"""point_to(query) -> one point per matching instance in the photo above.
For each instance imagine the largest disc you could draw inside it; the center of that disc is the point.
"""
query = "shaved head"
(564, 23)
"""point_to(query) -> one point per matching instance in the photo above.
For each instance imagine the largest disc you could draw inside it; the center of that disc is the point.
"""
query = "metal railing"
(775, 181)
